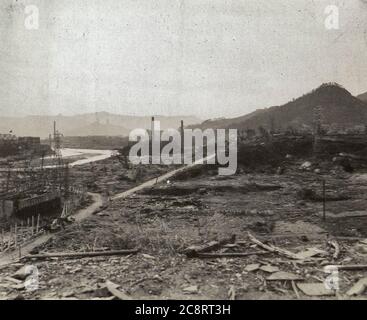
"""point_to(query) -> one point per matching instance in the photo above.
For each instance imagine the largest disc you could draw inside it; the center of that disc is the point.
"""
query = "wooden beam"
(81, 254)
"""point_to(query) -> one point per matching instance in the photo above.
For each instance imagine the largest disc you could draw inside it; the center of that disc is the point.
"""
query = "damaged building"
(11, 145)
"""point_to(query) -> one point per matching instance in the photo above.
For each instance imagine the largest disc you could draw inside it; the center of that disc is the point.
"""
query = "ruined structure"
(11, 145)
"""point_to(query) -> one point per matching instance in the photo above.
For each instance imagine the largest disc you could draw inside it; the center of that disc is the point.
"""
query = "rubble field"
(254, 235)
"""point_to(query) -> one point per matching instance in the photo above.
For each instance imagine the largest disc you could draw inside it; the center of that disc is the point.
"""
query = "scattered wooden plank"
(336, 247)
(315, 289)
(252, 267)
(213, 245)
(310, 253)
(272, 248)
(352, 267)
(282, 275)
(191, 289)
(358, 288)
(226, 254)
(112, 288)
(232, 293)
(81, 254)
(295, 289)
(269, 268)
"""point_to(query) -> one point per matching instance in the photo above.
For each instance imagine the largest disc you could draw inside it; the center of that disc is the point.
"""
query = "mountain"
(98, 129)
(338, 107)
(100, 123)
(363, 97)
(224, 122)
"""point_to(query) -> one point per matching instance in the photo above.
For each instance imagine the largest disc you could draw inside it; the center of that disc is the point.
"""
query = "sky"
(209, 58)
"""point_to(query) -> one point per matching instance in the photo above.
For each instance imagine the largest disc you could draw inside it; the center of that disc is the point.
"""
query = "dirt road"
(162, 178)
(97, 203)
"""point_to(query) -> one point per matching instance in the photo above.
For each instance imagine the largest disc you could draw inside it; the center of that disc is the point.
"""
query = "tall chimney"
(152, 126)
(151, 136)
(182, 142)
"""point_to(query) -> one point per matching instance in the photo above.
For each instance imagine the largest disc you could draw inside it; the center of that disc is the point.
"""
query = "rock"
(55, 281)
(23, 273)
(269, 212)
(281, 275)
(317, 171)
(101, 292)
(269, 268)
(252, 267)
(304, 238)
(358, 288)
(191, 290)
(315, 289)
(306, 165)
(158, 278)
(202, 191)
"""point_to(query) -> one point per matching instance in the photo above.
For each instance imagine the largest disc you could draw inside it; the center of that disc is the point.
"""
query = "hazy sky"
(210, 58)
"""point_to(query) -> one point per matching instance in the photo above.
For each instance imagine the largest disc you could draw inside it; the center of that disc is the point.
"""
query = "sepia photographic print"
(183, 150)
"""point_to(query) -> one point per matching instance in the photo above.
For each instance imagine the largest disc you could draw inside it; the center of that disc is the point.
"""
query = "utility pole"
(323, 200)
(66, 182)
(317, 129)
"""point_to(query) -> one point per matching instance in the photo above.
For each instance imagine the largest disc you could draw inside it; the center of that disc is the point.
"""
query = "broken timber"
(112, 288)
(193, 251)
(351, 267)
(226, 254)
(336, 247)
(272, 248)
(81, 254)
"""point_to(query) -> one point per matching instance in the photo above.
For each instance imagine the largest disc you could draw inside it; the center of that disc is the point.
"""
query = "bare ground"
(164, 220)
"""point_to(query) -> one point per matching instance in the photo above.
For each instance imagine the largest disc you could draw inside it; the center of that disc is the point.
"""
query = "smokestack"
(182, 142)
(152, 125)
(151, 135)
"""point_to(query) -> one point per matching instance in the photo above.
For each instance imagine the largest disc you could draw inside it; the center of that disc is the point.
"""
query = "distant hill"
(224, 122)
(98, 129)
(338, 107)
(363, 97)
(96, 124)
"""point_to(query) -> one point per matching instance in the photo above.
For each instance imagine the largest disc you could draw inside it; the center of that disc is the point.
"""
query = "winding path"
(162, 178)
(82, 214)
(79, 216)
